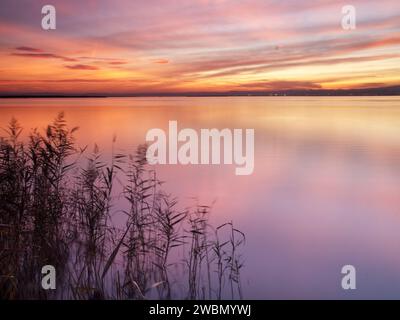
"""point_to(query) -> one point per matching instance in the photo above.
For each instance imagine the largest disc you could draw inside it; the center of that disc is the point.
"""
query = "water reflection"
(324, 193)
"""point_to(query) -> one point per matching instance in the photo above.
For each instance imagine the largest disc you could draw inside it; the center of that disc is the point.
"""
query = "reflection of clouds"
(324, 192)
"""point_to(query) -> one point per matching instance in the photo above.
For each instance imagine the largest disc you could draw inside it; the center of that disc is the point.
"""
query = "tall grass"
(56, 208)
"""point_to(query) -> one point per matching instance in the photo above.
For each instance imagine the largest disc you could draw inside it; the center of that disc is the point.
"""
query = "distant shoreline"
(193, 96)
(369, 92)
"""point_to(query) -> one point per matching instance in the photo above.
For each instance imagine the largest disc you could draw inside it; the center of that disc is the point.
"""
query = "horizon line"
(374, 91)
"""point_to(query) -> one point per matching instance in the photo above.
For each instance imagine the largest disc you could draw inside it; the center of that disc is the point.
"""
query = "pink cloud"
(29, 49)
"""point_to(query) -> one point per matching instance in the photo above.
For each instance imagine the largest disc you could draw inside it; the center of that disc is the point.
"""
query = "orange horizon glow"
(129, 47)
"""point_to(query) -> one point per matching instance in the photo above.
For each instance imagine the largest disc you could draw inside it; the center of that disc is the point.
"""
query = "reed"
(57, 203)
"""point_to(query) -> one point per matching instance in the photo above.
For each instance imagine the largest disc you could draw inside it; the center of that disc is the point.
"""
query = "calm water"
(325, 191)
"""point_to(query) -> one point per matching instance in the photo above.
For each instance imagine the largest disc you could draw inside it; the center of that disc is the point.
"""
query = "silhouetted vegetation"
(57, 203)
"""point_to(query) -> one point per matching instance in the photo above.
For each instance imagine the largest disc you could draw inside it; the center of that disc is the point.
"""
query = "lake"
(325, 191)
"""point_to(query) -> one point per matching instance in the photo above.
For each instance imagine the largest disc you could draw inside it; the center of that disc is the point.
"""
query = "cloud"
(73, 80)
(29, 49)
(43, 56)
(270, 65)
(160, 61)
(117, 62)
(279, 85)
(81, 67)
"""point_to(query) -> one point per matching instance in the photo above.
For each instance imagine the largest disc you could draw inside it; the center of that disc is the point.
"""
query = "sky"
(181, 46)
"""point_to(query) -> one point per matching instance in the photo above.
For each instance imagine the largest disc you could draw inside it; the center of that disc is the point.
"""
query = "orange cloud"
(81, 67)
(160, 61)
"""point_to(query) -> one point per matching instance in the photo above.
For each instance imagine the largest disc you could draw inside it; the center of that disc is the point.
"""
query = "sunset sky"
(154, 46)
